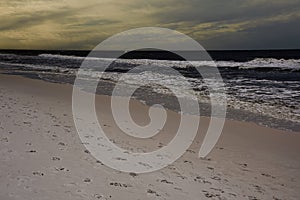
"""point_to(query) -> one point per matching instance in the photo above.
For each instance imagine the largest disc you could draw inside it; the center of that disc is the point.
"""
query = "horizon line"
(275, 49)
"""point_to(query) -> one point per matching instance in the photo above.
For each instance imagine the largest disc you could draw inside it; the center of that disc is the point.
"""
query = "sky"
(215, 24)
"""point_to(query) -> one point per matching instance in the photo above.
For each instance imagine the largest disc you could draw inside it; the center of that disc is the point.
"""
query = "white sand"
(41, 156)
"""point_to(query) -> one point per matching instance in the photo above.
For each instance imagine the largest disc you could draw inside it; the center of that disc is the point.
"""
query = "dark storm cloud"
(275, 35)
(218, 24)
(203, 11)
(236, 24)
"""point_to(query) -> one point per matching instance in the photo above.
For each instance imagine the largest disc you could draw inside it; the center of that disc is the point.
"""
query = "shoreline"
(43, 158)
(232, 113)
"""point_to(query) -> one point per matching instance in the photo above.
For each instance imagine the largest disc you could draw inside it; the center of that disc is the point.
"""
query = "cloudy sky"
(216, 24)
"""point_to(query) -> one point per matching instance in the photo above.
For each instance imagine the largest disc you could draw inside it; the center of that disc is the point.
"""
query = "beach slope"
(42, 157)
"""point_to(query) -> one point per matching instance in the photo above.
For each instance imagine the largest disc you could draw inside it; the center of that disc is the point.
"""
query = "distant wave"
(61, 56)
(49, 61)
(263, 63)
(256, 63)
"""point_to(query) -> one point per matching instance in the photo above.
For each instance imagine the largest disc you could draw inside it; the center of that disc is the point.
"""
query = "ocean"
(261, 86)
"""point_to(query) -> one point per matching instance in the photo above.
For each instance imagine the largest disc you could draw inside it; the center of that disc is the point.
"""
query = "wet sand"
(42, 156)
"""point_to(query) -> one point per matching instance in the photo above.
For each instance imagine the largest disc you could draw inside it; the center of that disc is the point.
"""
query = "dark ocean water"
(262, 86)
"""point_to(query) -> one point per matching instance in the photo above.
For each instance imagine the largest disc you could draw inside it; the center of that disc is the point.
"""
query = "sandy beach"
(42, 157)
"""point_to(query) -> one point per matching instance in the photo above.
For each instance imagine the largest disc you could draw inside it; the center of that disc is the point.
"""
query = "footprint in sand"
(258, 189)
(244, 165)
(210, 168)
(87, 180)
(99, 162)
(101, 197)
(61, 144)
(200, 179)
(166, 181)
(31, 151)
(217, 190)
(252, 198)
(5, 139)
(132, 174)
(116, 184)
(61, 169)
(216, 178)
(187, 161)
(268, 175)
(37, 173)
(190, 151)
(152, 192)
(54, 158)
(211, 195)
